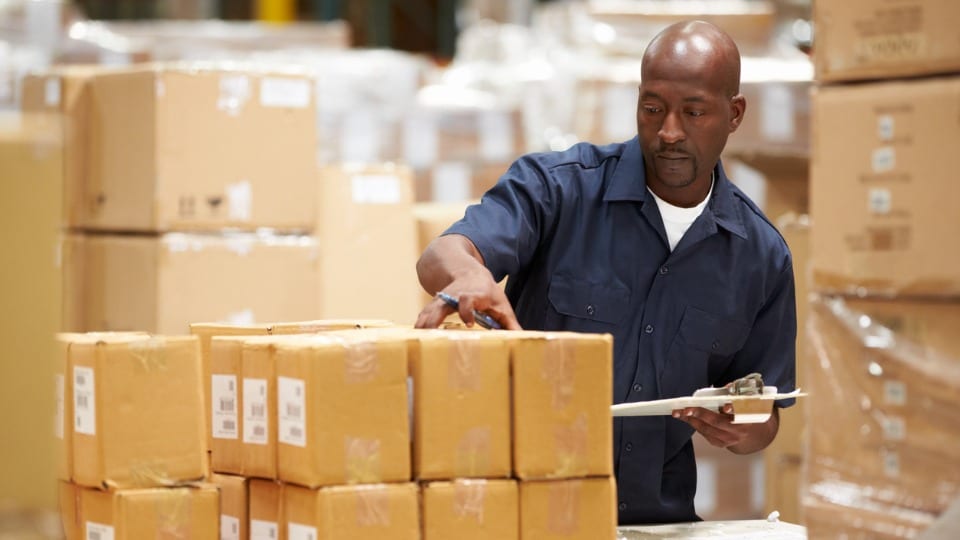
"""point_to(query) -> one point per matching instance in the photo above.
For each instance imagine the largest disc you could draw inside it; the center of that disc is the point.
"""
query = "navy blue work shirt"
(585, 249)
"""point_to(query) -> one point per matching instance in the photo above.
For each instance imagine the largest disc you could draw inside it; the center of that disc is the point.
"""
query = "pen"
(483, 319)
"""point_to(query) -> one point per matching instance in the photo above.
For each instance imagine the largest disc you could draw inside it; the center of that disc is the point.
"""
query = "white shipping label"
(229, 527)
(277, 92)
(240, 201)
(895, 393)
(51, 92)
(776, 113)
(263, 530)
(292, 411)
(223, 392)
(879, 200)
(375, 189)
(297, 531)
(883, 159)
(255, 411)
(496, 136)
(98, 531)
(58, 416)
(885, 127)
(84, 401)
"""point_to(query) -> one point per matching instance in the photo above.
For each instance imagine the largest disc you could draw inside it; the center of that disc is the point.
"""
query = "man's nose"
(671, 131)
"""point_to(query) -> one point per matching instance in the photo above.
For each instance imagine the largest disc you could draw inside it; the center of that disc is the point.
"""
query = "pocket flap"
(578, 298)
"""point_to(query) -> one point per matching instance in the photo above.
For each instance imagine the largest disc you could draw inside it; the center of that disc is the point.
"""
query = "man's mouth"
(672, 155)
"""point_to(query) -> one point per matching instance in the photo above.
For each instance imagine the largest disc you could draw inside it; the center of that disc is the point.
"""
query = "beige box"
(883, 193)
(137, 411)
(234, 505)
(342, 410)
(68, 504)
(461, 405)
(779, 185)
(365, 220)
(569, 509)
(452, 124)
(183, 148)
(471, 510)
(266, 510)
(874, 39)
(258, 395)
(457, 181)
(728, 485)
(161, 284)
(851, 517)
(781, 473)
(362, 512)
(561, 404)
(224, 414)
(63, 419)
(132, 514)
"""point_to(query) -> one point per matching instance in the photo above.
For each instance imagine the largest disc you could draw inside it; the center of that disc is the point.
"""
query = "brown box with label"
(183, 148)
(883, 193)
(259, 399)
(225, 404)
(461, 407)
(561, 404)
(137, 411)
(163, 283)
(68, 503)
(572, 509)
(876, 39)
(342, 409)
(471, 510)
(131, 514)
(266, 510)
(234, 506)
(362, 512)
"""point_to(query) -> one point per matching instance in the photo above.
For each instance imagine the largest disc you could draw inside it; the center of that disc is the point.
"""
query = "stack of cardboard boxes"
(882, 335)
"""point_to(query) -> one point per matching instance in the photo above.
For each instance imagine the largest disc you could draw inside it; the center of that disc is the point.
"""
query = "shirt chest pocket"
(580, 305)
(700, 351)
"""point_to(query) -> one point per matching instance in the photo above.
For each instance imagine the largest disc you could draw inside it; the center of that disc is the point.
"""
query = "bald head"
(695, 50)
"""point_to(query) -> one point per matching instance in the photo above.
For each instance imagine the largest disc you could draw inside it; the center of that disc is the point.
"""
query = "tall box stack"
(883, 347)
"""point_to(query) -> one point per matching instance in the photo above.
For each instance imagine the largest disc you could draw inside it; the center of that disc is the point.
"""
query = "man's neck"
(685, 197)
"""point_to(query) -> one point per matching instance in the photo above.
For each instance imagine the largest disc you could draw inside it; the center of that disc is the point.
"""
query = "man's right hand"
(488, 298)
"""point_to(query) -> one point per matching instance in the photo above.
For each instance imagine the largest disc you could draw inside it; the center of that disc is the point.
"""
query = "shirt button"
(590, 309)
(637, 388)
(664, 270)
(648, 329)
(715, 345)
(629, 447)
(622, 506)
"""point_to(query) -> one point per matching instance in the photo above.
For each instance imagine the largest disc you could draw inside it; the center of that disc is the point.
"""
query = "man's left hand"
(720, 431)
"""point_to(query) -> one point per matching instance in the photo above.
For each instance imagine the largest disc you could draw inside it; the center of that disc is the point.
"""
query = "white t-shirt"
(676, 220)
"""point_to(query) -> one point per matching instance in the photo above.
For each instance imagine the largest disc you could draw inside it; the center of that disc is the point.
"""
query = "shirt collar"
(629, 183)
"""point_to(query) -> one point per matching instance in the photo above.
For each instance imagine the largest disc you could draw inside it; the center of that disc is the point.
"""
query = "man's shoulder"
(584, 155)
(759, 227)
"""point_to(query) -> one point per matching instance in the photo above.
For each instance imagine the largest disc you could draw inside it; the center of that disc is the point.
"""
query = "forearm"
(758, 436)
(447, 258)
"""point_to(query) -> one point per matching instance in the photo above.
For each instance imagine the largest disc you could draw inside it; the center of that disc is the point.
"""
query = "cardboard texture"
(194, 155)
(342, 410)
(68, 505)
(225, 395)
(461, 406)
(780, 186)
(782, 487)
(162, 284)
(836, 511)
(561, 404)
(259, 399)
(234, 504)
(471, 510)
(882, 202)
(365, 219)
(363, 512)
(871, 39)
(569, 509)
(133, 514)
(266, 510)
(890, 393)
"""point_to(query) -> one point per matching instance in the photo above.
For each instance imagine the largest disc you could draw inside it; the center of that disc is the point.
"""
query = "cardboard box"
(194, 155)
(68, 505)
(366, 219)
(870, 39)
(782, 473)
(455, 182)
(226, 404)
(837, 510)
(454, 124)
(258, 396)
(162, 284)
(471, 510)
(137, 411)
(342, 410)
(883, 201)
(729, 486)
(132, 514)
(363, 512)
(266, 510)
(780, 186)
(561, 404)
(461, 406)
(234, 505)
(569, 509)
(63, 414)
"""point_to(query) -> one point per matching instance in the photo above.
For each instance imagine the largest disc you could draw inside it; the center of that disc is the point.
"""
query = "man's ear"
(738, 106)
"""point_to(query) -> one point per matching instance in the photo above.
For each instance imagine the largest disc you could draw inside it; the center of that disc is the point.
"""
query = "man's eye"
(695, 114)
(652, 110)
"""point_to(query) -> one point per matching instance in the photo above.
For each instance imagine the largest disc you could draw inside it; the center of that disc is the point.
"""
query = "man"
(649, 241)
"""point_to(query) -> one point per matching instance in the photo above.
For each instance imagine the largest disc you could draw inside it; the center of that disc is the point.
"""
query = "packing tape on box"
(373, 506)
(469, 499)
(361, 363)
(563, 507)
(150, 352)
(463, 363)
(558, 370)
(362, 460)
(571, 444)
(473, 452)
(173, 513)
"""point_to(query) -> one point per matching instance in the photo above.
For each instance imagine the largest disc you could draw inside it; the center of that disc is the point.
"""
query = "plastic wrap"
(884, 442)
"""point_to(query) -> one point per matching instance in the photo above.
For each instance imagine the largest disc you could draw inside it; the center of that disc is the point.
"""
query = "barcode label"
(255, 411)
(297, 531)
(59, 414)
(99, 531)
(84, 401)
(292, 422)
(263, 530)
(229, 527)
(223, 391)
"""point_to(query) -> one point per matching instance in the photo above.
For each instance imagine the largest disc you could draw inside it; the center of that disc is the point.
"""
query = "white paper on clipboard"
(748, 409)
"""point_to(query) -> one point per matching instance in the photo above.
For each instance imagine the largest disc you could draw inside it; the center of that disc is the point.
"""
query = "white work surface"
(712, 530)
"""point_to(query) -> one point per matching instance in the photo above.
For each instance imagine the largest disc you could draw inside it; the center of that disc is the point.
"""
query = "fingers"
(715, 427)
(497, 307)
(433, 314)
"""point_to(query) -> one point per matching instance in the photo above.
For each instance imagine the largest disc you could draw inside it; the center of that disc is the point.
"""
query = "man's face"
(683, 119)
